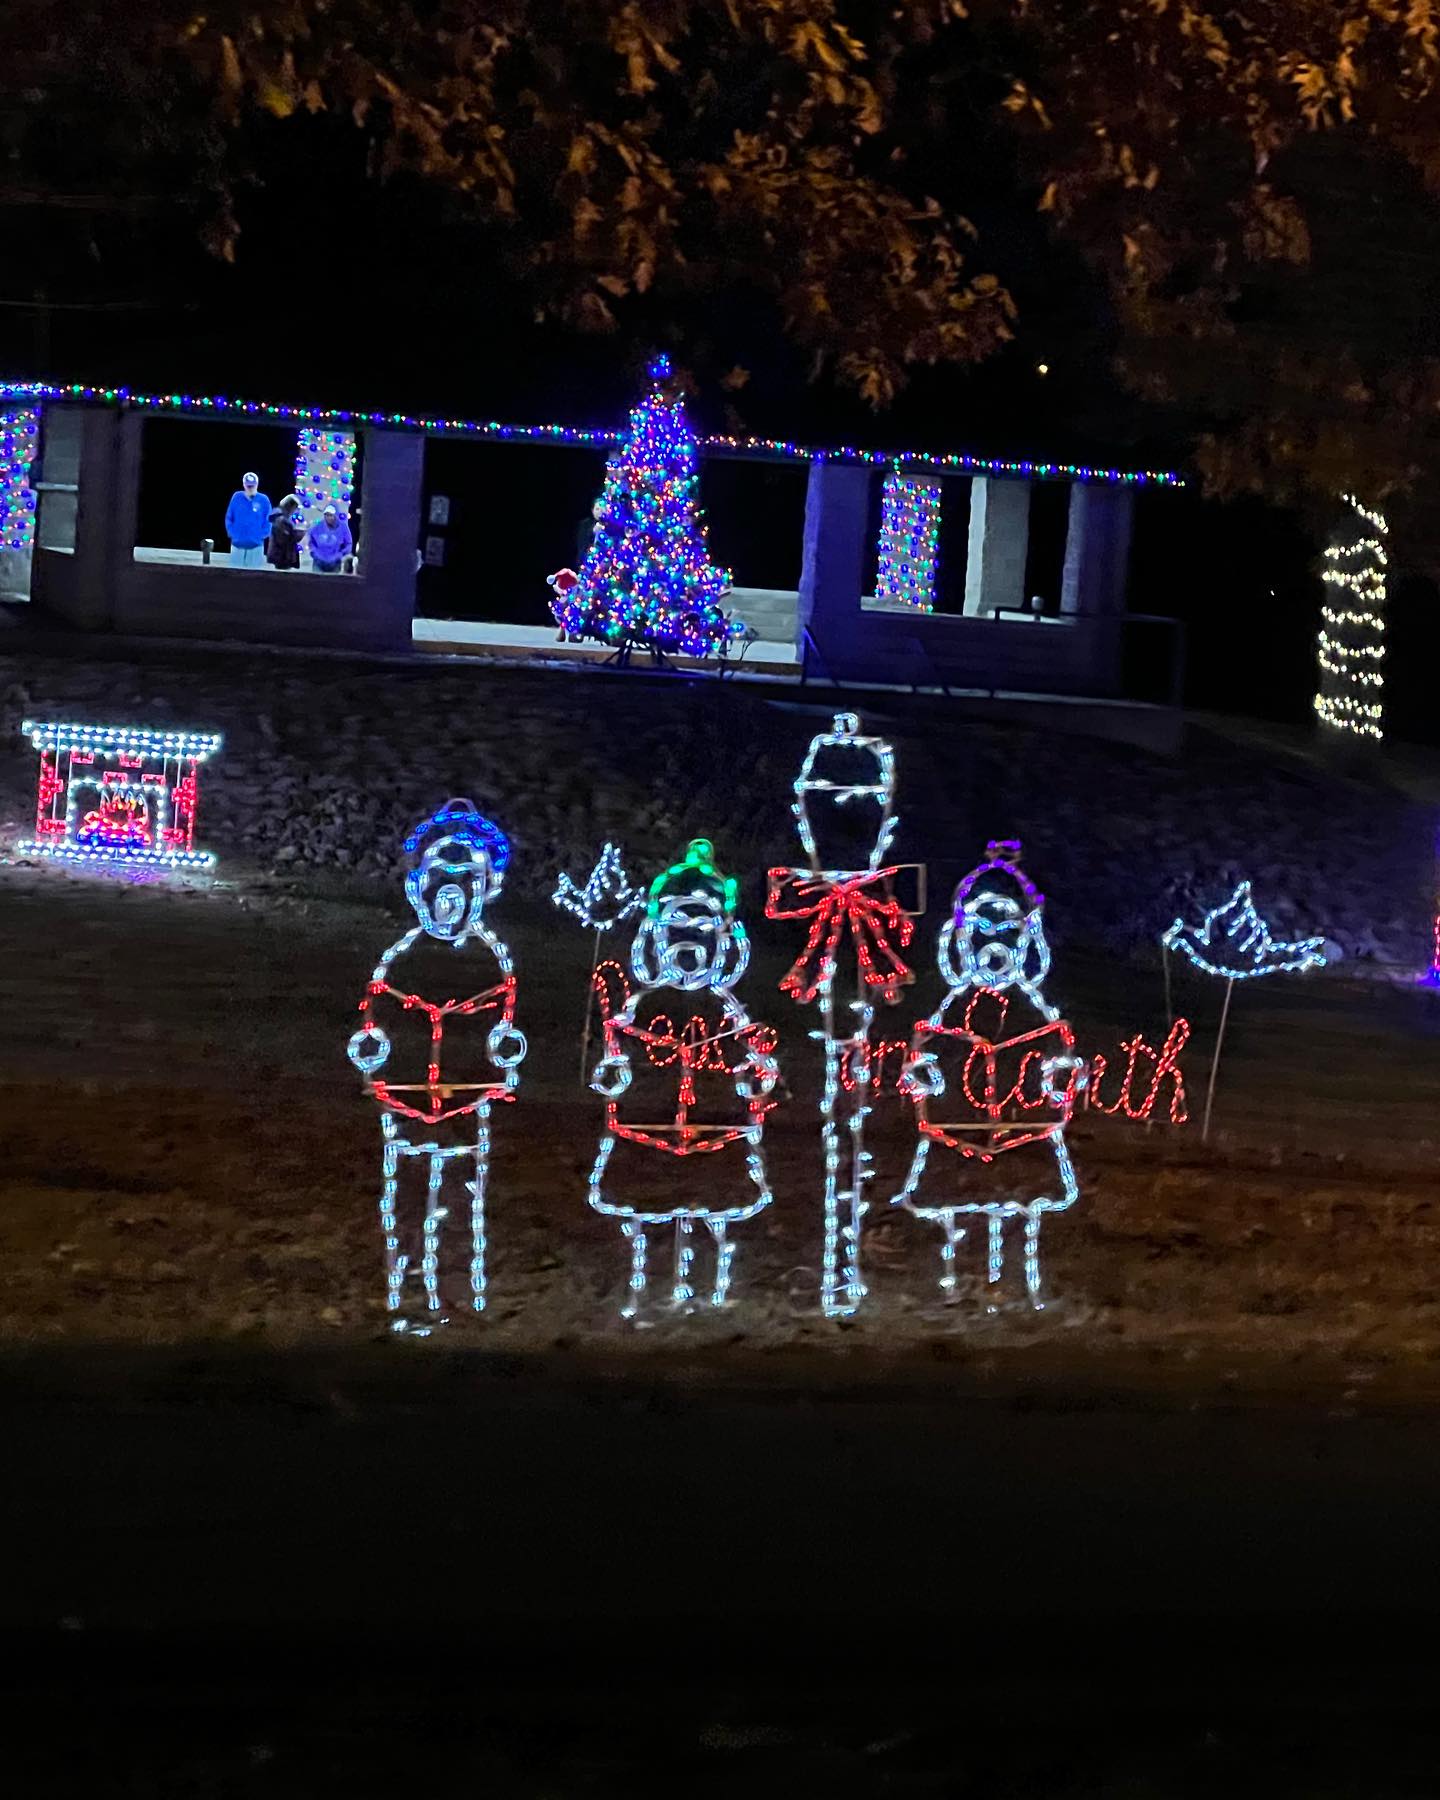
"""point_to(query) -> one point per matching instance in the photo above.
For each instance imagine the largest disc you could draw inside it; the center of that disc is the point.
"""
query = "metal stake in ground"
(1234, 943)
(606, 898)
(1215, 1060)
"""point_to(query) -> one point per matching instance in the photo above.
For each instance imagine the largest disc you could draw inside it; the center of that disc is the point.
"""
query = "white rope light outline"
(658, 962)
(475, 848)
(997, 969)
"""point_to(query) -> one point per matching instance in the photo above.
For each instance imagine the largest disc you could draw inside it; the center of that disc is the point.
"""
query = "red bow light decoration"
(834, 907)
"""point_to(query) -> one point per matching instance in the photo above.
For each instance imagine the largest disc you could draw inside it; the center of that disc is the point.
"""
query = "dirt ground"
(189, 1158)
(1171, 1536)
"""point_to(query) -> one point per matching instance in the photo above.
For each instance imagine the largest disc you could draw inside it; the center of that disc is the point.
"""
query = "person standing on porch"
(330, 542)
(287, 527)
(247, 521)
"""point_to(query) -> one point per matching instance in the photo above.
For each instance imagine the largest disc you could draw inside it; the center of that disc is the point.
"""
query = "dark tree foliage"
(1250, 184)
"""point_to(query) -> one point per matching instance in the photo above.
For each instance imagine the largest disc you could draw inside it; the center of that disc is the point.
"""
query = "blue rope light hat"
(460, 819)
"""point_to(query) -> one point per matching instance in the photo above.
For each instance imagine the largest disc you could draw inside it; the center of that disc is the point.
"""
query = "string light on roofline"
(776, 449)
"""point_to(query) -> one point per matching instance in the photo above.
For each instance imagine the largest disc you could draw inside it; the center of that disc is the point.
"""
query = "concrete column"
(1097, 549)
(392, 475)
(999, 542)
(832, 572)
(88, 502)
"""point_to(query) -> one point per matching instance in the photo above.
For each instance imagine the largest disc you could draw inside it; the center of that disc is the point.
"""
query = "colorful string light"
(992, 951)
(909, 540)
(324, 471)
(1236, 925)
(770, 449)
(118, 794)
(843, 908)
(442, 1116)
(647, 578)
(19, 436)
(688, 942)
(1351, 646)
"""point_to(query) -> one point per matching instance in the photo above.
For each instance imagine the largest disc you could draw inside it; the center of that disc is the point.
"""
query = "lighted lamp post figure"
(606, 900)
(435, 1064)
(993, 1075)
(845, 780)
(1234, 943)
(691, 1098)
(118, 794)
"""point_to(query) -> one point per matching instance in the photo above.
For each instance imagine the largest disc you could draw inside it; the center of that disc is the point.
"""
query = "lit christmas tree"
(648, 578)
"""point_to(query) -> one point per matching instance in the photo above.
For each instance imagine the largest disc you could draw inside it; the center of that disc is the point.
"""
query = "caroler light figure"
(685, 1102)
(844, 814)
(436, 1064)
(993, 1075)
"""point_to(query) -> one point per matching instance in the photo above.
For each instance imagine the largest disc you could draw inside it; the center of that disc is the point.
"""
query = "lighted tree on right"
(1352, 632)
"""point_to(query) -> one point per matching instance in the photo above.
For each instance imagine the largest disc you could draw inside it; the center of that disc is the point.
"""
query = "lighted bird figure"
(1234, 942)
(607, 897)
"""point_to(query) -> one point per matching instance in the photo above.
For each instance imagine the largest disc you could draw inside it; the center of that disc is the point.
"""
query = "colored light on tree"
(648, 578)
(1351, 646)
(118, 794)
(909, 540)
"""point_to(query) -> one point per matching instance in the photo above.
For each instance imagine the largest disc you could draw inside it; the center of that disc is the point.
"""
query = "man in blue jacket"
(247, 520)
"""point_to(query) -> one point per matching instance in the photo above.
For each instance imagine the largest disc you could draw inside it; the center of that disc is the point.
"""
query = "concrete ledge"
(538, 643)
